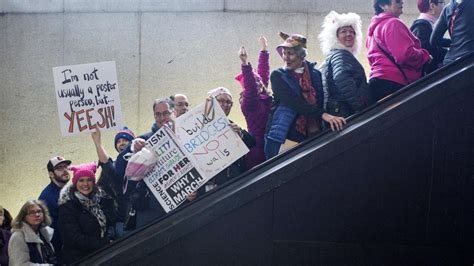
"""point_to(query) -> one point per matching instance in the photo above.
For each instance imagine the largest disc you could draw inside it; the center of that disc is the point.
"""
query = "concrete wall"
(160, 48)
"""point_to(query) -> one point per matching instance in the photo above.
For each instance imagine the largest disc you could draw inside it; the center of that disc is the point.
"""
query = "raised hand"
(263, 42)
(96, 136)
(243, 55)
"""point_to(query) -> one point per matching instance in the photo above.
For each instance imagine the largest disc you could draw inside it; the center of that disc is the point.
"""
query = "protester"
(7, 220)
(181, 104)
(4, 238)
(395, 54)
(123, 138)
(255, 100)
(458, 19)
(30, 242)
(145, 206)
(343, 76)
(422, 28)
(86, 215)
(298, 98)
(59, 176)
(109, 181)
(224, 98)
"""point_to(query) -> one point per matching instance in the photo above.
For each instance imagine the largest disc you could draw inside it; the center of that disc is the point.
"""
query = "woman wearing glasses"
(30, 242)
(395, 55)
(423, 27)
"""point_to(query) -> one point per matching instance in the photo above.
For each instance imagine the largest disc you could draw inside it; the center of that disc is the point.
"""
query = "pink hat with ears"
(240, 78)
(83, 170)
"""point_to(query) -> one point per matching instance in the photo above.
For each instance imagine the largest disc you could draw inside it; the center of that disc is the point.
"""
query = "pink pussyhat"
(83, 170)
(240, 78)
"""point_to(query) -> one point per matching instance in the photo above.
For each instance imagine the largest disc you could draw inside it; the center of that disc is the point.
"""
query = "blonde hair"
(20, 218)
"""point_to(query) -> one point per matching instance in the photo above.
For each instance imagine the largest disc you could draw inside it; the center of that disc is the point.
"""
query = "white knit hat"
(332, 22)
(218, 91)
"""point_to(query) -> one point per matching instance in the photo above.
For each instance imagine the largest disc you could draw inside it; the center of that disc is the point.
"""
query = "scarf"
(307, 126)
(92, 205)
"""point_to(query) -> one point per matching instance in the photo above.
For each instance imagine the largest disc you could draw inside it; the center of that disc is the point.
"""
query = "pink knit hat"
(83, 170)
(240, 77)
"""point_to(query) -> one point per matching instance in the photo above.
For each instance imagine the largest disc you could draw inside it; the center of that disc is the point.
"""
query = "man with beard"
(59, 175)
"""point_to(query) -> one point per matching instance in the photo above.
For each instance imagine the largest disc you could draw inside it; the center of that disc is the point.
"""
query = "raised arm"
(101, 153)
(263, 68)
(250, 93)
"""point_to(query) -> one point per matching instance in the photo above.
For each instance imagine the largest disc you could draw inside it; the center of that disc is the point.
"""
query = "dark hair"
(424, 5)
(166, 100)
(7, 222)
(378, 3)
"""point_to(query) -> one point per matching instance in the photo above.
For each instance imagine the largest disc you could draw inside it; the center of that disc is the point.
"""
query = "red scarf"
(307, 126)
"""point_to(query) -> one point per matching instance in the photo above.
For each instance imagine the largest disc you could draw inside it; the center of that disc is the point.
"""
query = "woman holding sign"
(224, 98)
(86, 215)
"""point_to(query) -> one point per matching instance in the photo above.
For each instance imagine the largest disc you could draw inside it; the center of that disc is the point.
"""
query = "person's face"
(60, 173)
(395, 7)
(162, 114)
(181, 105)
(225, 101)
(346, 36)
(2, 219)
(85, 185)
(292, 60)
(437, 8)
(35, 216)
(121, 144)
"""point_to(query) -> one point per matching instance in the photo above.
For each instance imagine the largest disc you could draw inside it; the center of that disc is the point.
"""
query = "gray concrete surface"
(160, 48)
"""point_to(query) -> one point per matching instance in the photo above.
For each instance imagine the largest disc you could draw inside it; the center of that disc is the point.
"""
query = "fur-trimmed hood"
(333, 21)
(66, 194)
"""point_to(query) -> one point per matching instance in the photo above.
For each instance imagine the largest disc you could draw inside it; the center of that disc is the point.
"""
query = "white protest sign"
(209, 140)
(88, 97)
(174, 176)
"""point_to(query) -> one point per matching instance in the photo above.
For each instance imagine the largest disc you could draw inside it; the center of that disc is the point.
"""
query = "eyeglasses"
(222, 101)
(441, 2)
(34, 213)
(163, 114)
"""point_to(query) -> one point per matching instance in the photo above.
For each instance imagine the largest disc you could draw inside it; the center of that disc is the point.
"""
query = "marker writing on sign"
(105, 119)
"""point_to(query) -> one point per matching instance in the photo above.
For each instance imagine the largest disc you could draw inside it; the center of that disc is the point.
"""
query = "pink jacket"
(397, 40)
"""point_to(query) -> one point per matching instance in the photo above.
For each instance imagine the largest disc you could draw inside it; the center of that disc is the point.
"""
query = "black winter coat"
(462, 39)
(348, 91)
(422, 29)
(80, 230)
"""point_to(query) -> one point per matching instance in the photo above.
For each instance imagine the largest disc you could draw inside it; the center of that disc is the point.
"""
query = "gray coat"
(18, 250)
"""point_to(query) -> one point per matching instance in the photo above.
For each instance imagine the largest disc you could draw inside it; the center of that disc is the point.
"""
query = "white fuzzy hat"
(333, 21)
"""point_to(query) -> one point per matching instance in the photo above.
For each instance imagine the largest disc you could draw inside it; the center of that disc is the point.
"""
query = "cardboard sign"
(87, 97)
(174, 176)
(209, 140)
(205, 146)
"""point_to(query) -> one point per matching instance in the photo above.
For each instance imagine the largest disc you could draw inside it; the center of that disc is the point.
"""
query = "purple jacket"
(4, 238)
(256, 107)
(397, 40)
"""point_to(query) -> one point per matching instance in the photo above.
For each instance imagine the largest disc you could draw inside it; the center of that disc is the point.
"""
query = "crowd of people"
(77, 215)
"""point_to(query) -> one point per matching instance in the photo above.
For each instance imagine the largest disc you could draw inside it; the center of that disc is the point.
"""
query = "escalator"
(395, 187)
